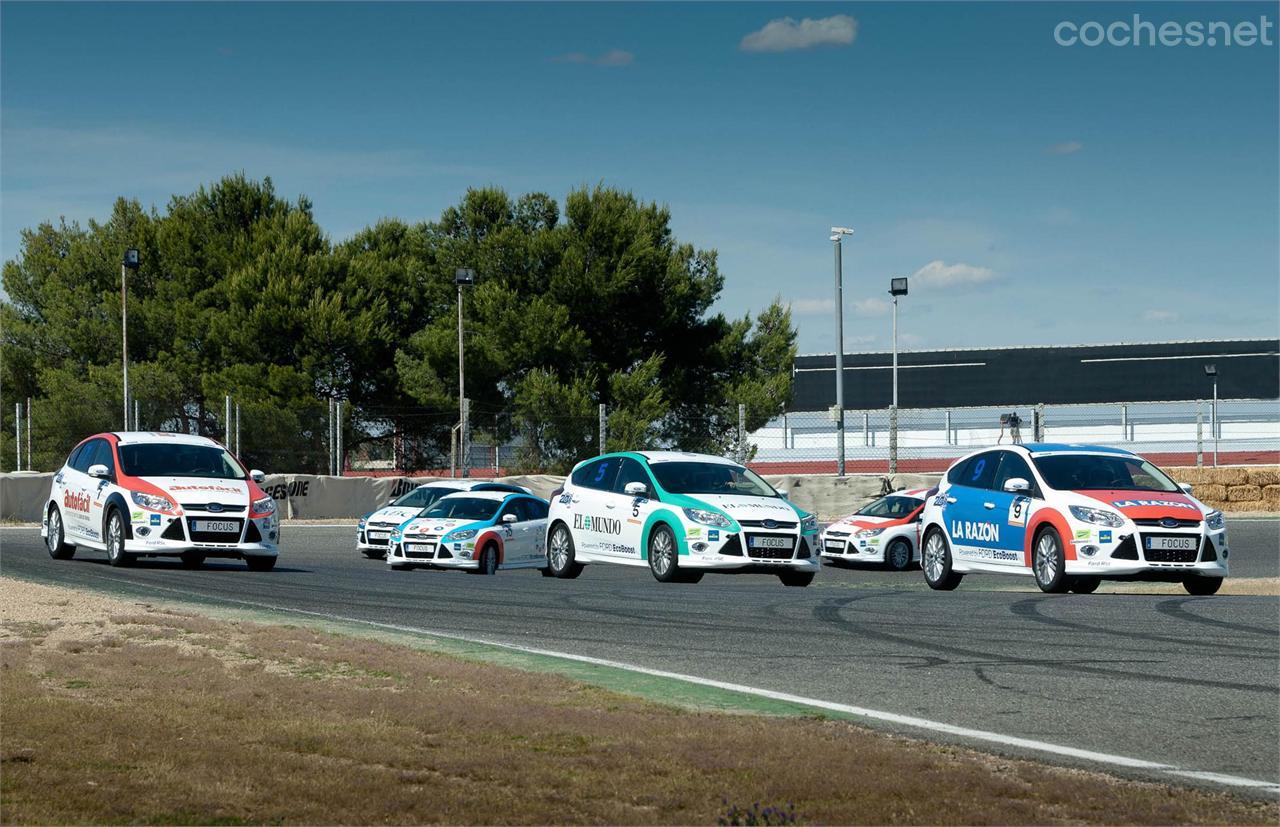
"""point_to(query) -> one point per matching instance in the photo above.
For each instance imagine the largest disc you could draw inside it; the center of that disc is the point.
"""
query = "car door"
(515, 535)
(596, 524)
(77, 493)
(1010, 510)
(970, 511)
(633, 511)
(537, 528)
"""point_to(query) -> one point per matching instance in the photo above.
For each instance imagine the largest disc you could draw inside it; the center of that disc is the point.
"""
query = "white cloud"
(812, 307)
(942, 275)
(1154, 315)
(1066, 148)
(613, 57)
(873, 306)
(786, 34)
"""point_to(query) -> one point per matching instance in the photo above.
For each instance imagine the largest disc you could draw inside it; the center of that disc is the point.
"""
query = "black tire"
(935, 561)
(373, 554)
(1085, 584)
(59, 549)
(796, 579)
(1202, 586)
(114, 534)
(256, 563)
(399, 567)
(192, 560)
(897, 557)
(561, 560)
(664, 556)
(546, 571)
(488, 560)
(687, 576)
(1049, 562)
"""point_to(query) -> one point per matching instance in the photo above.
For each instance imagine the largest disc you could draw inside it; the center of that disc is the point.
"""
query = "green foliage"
(240, 292)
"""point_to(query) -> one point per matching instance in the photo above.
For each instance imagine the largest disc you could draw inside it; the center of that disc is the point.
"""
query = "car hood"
(863, 521)
(1147, 505)
(202, 490)
(435, 525)
(750, 508)
(392, 514)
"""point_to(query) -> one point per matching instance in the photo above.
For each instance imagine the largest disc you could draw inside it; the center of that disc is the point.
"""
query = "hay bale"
(1230, 476)
(1271, 496)
(1243, 493)
(1241, 507)
(1190, 475)
(1210, 492)
(1264, 476)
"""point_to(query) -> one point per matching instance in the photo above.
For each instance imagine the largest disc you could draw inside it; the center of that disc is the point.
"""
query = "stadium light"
(837, 234)
(1212, 372)
(897, 287)
(131, 261)
(462, 276)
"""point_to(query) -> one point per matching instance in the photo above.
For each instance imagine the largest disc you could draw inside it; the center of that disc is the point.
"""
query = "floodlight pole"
(1216, 425)
(837, 234)
(462, 276)
(129, 262)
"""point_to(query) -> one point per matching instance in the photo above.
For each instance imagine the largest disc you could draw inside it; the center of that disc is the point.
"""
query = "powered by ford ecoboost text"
(374, 529)
(681, 515)
(135, 494)
(479, 531)
(885, 531)
(1071, 516)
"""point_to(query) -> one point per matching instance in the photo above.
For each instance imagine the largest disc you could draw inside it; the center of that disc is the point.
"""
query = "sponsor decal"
(1152, 504)
(223, 489)
(600, 525)
(136, 516)
(76, 501)
(155, 519)
(565, 498)
(1083, 534)
(634, 522)
(875, 541)
(1104, 536)
(693, 532)
(402, 487)
(940, 500)
(285, 490)
(616, 548)
(988, 553)
(713, 535)
(1018, 511)
(970, 530)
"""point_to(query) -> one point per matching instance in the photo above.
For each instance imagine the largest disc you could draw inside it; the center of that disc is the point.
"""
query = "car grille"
(427, 548)
(837, 534)
(1127, 550)
(803, 554)
(1158, 524)
(1210, 552)
(761, 524)
(732, 547)
(215, 536)
(770, 553)
(220, 508)
(251, 534)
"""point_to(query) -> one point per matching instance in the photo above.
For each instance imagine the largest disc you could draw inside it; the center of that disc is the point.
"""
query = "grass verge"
(116, 711)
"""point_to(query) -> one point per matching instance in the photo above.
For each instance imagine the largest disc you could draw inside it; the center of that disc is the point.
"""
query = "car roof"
(161, 438)
(468, 485)
(496, 496)
(684, 456)
(1037, 448)
(914, 493)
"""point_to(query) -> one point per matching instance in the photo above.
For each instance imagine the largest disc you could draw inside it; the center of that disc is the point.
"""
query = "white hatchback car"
(681, 515)
(884, 531)
(154, 494)
(479, 531)
(374, 529)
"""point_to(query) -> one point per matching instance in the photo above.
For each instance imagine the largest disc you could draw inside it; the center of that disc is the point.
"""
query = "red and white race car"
(886, 531)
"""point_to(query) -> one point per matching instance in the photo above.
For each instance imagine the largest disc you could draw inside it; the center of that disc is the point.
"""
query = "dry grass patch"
(121, 715)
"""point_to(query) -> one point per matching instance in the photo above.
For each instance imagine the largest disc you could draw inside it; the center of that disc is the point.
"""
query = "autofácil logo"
(76, 501)
(1136, 31)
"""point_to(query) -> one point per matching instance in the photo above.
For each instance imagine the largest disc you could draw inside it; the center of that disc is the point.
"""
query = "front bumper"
(374, 537)
(719, 550)
(1134, 552)
(428, 552)
(160, 535)
(846, 547)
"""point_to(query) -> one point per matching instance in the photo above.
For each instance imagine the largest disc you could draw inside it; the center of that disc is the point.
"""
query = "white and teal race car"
(681, 515)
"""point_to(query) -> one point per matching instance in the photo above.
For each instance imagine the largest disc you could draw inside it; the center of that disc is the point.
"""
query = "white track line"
(913, 722)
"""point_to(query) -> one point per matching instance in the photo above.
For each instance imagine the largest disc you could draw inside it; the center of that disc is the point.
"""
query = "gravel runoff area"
(118, 710)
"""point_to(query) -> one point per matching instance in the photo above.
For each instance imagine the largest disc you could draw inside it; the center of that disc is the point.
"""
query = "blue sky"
(1038, 194)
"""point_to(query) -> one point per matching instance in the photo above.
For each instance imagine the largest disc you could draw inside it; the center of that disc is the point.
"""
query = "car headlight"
(1215, 521)
(1098, 516)
(360, 526)
(151, 501)
(267, 505)
(808, 524)
(395, 535)
(869, 532)
(714, 518)
(465, 534)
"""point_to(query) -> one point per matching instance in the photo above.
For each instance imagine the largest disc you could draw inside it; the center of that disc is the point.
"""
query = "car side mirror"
(636, 489)
(784, 493)
(100, 471)
(1017, 485)
(257, 476)
(508, 518)
(1185, 486)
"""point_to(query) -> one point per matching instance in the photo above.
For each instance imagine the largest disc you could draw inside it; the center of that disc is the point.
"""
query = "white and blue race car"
(374, 529)
(1070, 516)
(681, 515)
(479, 531)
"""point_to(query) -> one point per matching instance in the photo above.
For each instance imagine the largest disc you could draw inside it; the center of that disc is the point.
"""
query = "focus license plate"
(420, 548)
(216, 526)
(770, 542)
(378, 535)
(835, 545)
(1172, 543)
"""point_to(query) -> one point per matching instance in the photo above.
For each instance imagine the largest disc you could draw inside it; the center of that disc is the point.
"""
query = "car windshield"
(463, 508)
(1095, 472)
(178, 460)
(710, 478)
(422, 497)
(891, 506)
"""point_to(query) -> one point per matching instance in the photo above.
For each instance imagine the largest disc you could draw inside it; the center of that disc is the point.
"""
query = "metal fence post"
(329, 444)
(28, 433)
(17, 436)
(465, 438)
(893, 440)
(1124, 423)
(604, 425)
(742, 433)
(1199, 434)
(1038, 428)
(341, 452)
(226, 422)
(948, 424)
(237, 429)
(866, 428)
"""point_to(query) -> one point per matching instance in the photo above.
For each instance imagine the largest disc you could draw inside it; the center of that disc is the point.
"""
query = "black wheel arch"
(116, 502)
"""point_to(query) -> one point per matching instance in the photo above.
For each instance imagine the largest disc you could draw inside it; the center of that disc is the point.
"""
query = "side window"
(536, 509)
(74, 457)
(86, 455)
(585, 473)
(105, 456)
(513, 507)
(631, 471)
(956, 476)
(598, 475)
(981, 470)
(1012, 465)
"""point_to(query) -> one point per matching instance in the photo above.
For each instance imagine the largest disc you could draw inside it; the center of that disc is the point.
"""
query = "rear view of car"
(885, 531)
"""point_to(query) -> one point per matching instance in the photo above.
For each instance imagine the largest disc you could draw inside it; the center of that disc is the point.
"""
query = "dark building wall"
(1160, 372)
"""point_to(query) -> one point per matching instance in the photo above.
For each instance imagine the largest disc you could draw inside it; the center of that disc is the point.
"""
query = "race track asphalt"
(1192, 682)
